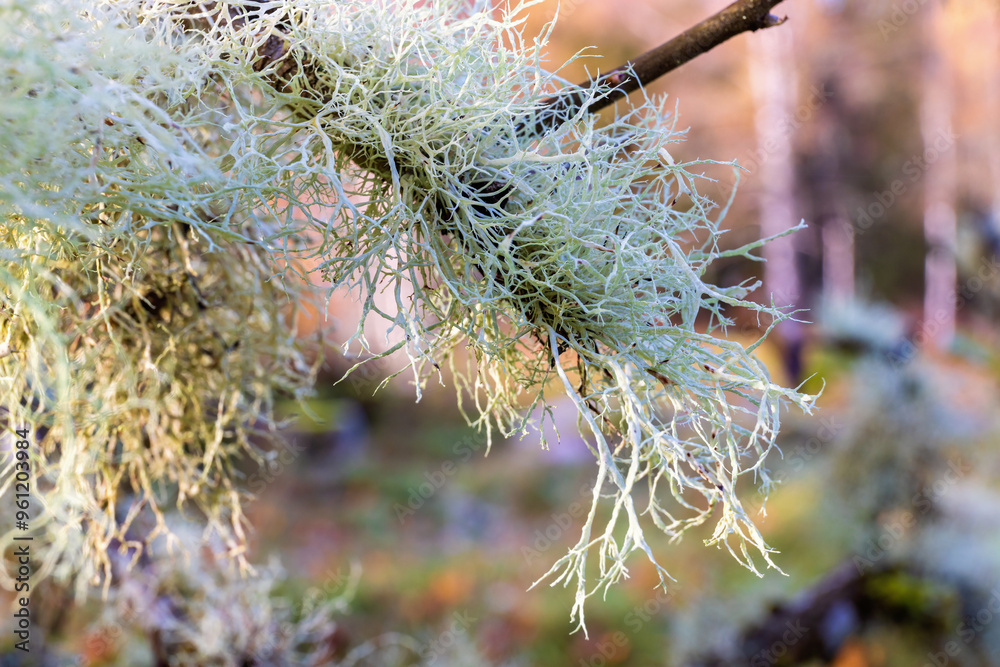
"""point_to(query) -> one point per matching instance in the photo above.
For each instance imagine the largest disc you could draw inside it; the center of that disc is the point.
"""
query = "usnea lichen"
(144, 339)
(224, 155)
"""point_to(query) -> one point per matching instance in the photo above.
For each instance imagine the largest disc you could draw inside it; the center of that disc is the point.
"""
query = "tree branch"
(739, 17)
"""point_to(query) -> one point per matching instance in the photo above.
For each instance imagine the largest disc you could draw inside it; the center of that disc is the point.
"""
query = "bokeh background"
(876, 122)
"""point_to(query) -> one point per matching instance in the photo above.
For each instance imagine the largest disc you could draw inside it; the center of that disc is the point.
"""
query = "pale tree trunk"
(838, 262)
(829, 193)
(772, 78)
(940, 269)
(838, 243)
(991, 88)
(831, 152)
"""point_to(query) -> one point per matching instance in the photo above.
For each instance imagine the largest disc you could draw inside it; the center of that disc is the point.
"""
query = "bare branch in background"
(739, 17)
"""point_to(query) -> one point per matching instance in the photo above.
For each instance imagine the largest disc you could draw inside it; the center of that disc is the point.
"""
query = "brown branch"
(739, 17)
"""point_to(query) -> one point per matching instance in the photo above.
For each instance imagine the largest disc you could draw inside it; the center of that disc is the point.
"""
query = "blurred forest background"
(878, 123)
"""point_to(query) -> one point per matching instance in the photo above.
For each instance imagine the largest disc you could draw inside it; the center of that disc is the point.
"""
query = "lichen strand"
(146, 340)
(388, 141)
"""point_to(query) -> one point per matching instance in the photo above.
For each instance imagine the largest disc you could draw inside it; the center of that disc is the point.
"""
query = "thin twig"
(739, 17)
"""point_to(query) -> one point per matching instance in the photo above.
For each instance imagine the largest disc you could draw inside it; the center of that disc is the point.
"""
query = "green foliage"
(212, 161)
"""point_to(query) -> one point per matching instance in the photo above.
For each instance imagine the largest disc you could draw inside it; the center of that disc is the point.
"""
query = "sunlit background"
(878, 124)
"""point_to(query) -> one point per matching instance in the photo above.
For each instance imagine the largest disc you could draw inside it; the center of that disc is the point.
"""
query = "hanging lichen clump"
(156, 242)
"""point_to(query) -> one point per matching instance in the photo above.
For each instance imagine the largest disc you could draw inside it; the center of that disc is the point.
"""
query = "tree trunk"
(773, 81)
(991, 88)
(940, 269)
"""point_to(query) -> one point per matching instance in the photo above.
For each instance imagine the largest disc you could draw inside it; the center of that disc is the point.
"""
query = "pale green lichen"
(389, 145)
(146, 342)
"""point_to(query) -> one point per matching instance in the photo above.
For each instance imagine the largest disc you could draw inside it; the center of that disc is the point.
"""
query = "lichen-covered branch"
(377, 146)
